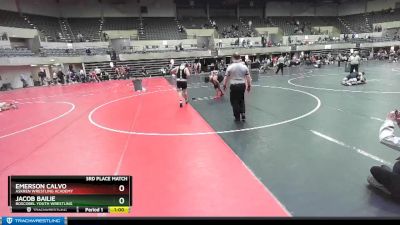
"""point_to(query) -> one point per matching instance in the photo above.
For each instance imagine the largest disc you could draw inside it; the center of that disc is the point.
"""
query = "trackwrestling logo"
(33, 220)
(9, 220)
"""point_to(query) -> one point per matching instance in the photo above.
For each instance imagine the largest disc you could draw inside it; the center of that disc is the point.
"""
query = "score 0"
(121, 200)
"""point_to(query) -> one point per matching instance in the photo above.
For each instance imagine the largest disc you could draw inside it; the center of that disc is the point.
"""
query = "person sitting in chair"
(144, 72)
(383, 177)
(318, 62)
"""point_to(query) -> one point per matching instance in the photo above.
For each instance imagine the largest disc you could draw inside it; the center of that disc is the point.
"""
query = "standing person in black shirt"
(182, 73)
(42, 75)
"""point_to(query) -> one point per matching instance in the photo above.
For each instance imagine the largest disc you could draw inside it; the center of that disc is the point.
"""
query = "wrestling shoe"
(373, 182)
(243, 117)
(180, 104)
(386, 168)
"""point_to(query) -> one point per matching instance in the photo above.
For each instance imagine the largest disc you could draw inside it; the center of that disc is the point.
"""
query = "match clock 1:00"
(118, 209)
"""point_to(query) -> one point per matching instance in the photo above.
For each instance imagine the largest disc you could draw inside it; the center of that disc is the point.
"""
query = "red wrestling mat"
(172, 175)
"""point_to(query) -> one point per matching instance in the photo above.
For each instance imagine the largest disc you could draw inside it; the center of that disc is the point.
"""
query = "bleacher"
(72, 52)
(195, 22)
(152, 66)
(162, 28)
(121, 23)
(384, 16)
(225, 28)
(258, 21)
(288, 24)
(14, 52)
(355, 24)
(166, 28)
(88, 27)
(48, 26)
(13, 19)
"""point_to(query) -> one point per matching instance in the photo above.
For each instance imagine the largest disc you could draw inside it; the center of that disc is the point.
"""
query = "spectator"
(105, 36)
(4, 36)
(97, 70)
(60, 76)
(58, 37)
(144, 72)
(55, 80)
(383, 177)
(82, 75)
(80, 37)
(42, 76)
(263, 42)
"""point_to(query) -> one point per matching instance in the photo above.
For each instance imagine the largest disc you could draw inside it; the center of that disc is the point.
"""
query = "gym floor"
(305, 149)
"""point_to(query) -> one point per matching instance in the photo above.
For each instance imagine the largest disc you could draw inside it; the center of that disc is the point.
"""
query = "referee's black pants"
(280, 67)
(237, 99)
(354, 67)
(390, 179)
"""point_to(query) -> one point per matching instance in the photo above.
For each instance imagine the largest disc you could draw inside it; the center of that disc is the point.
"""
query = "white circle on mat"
(90, 117)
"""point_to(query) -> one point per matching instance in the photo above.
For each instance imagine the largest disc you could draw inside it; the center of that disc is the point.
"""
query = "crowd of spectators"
(233, 31)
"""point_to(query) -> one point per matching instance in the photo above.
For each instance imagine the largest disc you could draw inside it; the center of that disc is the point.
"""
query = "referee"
(281, 63)
(354, 62)
(237, 74)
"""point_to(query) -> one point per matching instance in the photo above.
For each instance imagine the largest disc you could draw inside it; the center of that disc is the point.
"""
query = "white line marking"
(371, 117)
(88, 95)
(337, 90)
(360, 151)
(127, 141)
(90, 117)
(261, 183)
(43, 123)
(376, 118)
(394, 70)
(66, 94)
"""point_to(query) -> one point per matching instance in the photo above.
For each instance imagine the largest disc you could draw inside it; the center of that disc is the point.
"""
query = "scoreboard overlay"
(70, 194)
